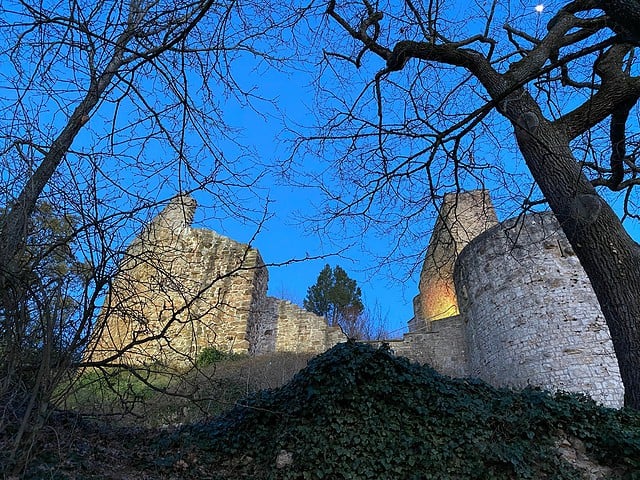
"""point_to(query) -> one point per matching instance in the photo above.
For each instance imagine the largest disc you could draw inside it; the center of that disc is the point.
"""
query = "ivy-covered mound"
(357, 412)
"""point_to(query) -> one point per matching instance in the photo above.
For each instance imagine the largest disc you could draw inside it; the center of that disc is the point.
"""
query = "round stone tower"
(531, 315)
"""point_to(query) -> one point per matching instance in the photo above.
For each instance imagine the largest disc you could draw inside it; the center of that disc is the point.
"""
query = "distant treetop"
(336, 297)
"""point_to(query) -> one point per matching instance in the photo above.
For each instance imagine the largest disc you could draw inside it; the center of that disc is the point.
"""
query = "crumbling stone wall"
(301, 331)
(180, 289)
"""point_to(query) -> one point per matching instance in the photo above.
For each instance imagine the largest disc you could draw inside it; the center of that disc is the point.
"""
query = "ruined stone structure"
(454, 229)
(505, 302)
(180, 289)
(509, 303)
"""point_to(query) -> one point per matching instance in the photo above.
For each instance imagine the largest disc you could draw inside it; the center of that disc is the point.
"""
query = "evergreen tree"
(338, 298)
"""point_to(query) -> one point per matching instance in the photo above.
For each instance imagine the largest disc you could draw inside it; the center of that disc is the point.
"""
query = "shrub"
(358, 412)
(211, 355)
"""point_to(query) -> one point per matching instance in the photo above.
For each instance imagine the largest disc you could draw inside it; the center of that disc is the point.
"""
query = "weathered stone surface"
(302, 331)
(533, 318)
(180, 289)
(525, 312)
(442, 344)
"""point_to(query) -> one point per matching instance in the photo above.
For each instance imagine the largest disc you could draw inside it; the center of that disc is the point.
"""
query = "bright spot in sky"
(539, 8)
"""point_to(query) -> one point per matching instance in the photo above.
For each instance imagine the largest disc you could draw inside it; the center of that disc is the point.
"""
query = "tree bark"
(610, 257)
(13, 229)
(625, 14)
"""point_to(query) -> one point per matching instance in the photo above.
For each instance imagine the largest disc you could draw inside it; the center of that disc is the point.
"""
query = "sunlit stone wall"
(462, 217)
(180, 289)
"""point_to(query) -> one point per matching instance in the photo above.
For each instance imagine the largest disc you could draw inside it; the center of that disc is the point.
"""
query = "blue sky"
(388, 289)
(263, 128)
(286, 237)
(116, 159)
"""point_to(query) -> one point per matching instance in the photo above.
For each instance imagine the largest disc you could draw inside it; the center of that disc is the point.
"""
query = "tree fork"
(610, 257)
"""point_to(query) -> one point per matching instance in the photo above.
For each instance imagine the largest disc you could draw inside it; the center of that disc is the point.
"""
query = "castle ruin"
(509, 303)
(180, 289)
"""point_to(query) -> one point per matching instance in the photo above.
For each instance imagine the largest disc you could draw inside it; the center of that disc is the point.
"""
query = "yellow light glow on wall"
(439, 300)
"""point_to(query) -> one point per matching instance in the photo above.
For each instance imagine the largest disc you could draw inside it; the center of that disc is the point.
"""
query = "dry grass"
(156, 397)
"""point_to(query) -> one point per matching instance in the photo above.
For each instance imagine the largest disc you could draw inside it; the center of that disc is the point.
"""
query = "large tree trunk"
(608, 254)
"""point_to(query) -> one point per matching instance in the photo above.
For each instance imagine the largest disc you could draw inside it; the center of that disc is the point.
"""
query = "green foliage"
(211, 356)
(157, 395)
(42, 287)
(335, 296)
(44, 322)
(357, 412)
(48, 250)
(125, 387)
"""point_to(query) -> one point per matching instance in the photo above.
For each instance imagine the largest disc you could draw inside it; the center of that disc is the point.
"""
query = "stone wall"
(525, 312)
(508, 303)
(286, 327)
(532, 316)
(180, 289)
(301, 331)
(442, 344)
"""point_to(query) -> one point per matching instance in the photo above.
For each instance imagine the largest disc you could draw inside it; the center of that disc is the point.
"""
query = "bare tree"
(456, 94)
(108, 108)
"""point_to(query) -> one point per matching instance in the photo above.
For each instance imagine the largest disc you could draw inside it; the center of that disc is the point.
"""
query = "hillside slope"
(356, 412)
